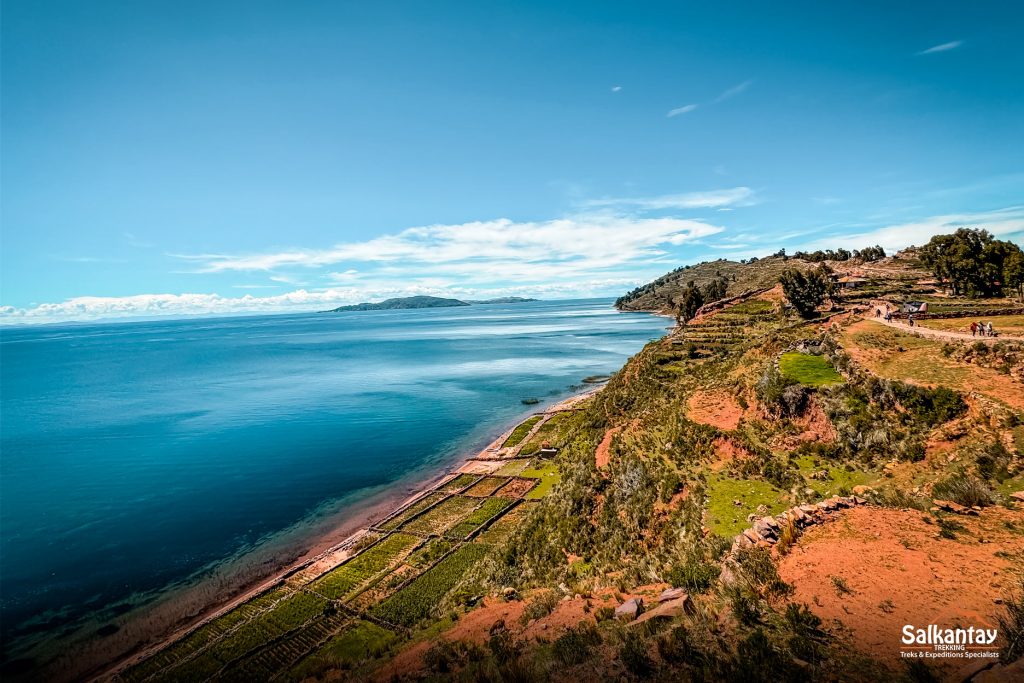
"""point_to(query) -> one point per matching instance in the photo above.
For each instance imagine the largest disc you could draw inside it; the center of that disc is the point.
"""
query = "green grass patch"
(344, 580)
(724, 517)
(418, 600)
(443, 517)
(839, 478)
(520, 432)
(483, 514)
(547, 473)
(813, 371)
(1018, 438)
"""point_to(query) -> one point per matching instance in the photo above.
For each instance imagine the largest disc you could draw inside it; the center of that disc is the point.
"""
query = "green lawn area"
(813, 371)
(520, 432)
(548, 474)
(727, 519)
(840, 479)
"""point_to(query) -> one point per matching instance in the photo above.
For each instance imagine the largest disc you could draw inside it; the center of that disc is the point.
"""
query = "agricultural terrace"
(367, 604)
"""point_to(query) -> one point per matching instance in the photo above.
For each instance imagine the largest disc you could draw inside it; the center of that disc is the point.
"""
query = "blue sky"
(195, 157)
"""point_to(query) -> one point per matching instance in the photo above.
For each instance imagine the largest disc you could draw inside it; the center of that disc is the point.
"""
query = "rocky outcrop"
(630, 609)
(766, 531)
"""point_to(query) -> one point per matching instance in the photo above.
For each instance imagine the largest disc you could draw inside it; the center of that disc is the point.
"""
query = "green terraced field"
(443, 517)
(480, 516)
(340, 582)
(418, 599)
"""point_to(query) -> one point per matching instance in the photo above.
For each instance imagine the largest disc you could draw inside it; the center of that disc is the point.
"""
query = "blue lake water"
(136, 454)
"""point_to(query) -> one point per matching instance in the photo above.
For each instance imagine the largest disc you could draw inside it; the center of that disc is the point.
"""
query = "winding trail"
(941, 334)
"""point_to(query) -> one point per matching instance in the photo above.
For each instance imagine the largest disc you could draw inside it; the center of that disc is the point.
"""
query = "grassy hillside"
(701, 439)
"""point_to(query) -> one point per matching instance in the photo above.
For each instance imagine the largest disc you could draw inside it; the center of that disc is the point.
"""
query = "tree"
(970, 260)
(688, 303)
(715, 290)
(1013, 272)
(805, 292)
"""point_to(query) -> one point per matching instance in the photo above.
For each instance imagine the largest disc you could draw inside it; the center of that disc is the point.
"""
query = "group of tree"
(973, 263)
(807, 291)
(867, 254)
(689, 301)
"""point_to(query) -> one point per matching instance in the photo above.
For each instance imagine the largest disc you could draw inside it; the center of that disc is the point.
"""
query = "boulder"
(668, 610)
(671, 594)
(752, 536)
(1017, 495)
(630, 610)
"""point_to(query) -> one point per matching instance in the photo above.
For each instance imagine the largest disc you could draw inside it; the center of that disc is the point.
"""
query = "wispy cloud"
(712, 199)
(722, 97)
(616, 88)
(735, 90)
(685, 109)
(943, 47)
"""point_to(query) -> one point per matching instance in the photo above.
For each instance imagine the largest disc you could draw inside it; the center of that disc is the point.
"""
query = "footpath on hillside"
(941, 334)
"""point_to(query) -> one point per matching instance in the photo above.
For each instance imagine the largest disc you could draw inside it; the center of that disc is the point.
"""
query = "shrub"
(807, 639)
(965, 490)
(575, 645)
(1011, 625)
(540, 606)
(675, 647)
(757, 660)
(694, 575)
(633, 654)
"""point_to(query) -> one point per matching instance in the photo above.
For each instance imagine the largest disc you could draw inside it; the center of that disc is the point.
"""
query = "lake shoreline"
(326, 547)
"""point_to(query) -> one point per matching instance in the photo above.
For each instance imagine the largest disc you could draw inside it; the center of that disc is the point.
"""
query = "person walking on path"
(988, 330)
(974, 329)
(981, 328)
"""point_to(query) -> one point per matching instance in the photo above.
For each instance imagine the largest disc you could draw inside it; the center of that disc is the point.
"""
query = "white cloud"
(943, 47)
(685, 109)
(1001, 222)
(712, 199)
(733, 91)
(595, 239)
(616, 88)
(589, 254)
(155, 305)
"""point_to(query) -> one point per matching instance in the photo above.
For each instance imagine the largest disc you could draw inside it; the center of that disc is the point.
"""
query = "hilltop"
(769, 492)
(901, 270)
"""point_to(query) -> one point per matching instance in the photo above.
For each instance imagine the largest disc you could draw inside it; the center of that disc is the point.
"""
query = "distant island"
(424, 302)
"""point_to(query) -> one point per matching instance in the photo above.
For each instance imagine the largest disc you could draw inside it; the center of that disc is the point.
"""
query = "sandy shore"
(328, 549)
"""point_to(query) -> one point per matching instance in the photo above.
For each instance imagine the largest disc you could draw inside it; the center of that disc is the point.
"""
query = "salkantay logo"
(937, 642)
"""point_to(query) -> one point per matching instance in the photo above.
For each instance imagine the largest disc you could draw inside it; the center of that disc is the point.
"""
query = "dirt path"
(941, 334)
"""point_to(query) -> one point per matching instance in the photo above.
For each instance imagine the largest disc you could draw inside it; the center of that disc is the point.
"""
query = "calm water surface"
(136, 454)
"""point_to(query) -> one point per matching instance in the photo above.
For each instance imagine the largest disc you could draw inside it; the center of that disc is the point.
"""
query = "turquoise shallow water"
(135, 454)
